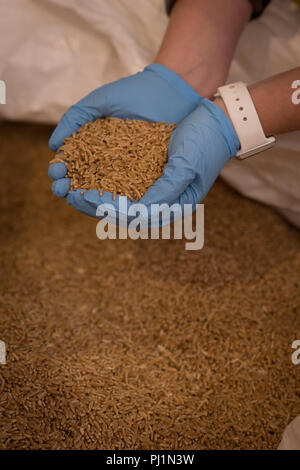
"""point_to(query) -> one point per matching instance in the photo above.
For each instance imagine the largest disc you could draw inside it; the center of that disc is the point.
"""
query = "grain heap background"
(125, 344)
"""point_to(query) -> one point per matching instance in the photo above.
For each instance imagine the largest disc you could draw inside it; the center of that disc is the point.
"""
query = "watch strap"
(245, 120)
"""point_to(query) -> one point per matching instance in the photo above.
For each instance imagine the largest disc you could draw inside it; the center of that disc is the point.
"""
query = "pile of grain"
(120, 156)
(134, 344)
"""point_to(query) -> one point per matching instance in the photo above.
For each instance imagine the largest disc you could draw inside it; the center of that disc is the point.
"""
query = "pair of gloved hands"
(200, 146)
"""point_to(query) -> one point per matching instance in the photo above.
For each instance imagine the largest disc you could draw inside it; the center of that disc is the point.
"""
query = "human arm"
(201, 39)
(277, 110)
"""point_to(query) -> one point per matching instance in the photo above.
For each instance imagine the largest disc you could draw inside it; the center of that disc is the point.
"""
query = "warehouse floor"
(125, 344)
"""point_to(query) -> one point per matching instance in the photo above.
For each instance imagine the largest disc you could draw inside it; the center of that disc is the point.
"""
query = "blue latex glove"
(156, 94)
(198, 150)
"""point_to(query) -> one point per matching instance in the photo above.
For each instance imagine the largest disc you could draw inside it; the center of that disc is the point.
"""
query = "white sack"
(291, 436)
(53, 52)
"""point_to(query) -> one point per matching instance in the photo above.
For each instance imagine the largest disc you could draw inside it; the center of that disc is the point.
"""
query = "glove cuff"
(176, 82)
(227, 128)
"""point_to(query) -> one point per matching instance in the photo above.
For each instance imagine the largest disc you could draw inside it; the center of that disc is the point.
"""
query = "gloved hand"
(156, 94)
(198, 150)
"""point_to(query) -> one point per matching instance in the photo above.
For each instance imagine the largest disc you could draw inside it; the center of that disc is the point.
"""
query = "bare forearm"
(272, 98)
(274, 105)
(200, 41)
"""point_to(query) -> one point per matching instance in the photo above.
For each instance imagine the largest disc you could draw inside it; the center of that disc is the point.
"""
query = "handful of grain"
(120, 156)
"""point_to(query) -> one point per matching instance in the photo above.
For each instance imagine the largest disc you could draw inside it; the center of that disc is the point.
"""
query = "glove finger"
(122, 211)
(192, 195)
(61, 187)
(93, 197)
(75, 199)
(88, 109)
(182, 207)
(117, 209)
(176, 177)
(57, 170)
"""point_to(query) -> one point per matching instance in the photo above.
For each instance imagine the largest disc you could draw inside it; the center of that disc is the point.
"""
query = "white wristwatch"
(245, 120)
